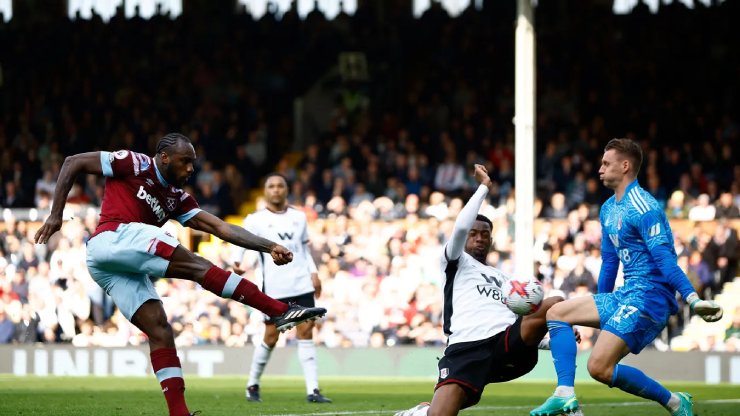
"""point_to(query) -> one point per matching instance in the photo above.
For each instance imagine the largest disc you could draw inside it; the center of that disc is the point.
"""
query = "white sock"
(421, 410)
(565, 391)
(307, 355)
(544, 344)
(673, 403)
(259, 360)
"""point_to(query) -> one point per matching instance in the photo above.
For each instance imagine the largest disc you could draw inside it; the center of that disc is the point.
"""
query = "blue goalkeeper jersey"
(636, 232)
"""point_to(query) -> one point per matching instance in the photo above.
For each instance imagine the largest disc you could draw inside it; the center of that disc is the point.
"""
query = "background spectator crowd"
(383, 179)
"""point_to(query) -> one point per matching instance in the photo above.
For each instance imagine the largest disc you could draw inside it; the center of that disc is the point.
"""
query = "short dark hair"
(485, 219)
(171, 139)
(278, 174)
(628, 148)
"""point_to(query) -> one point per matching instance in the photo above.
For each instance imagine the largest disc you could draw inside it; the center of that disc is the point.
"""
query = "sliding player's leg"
(534, 326)
(448, 400)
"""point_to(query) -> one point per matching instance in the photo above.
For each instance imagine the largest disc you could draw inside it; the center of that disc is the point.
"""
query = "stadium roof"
(258, 8)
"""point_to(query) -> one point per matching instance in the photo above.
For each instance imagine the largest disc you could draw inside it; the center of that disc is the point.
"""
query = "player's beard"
(179, 181)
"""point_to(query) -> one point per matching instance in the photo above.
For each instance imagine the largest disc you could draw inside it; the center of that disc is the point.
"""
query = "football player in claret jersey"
(141, 194)
(487, 343)
(636, 233)
(296, 282)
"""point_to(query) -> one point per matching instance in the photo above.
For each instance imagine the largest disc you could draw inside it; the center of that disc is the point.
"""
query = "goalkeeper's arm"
(709, 310)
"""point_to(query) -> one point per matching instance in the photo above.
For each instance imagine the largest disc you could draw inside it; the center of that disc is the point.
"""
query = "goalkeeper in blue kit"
(636, 233)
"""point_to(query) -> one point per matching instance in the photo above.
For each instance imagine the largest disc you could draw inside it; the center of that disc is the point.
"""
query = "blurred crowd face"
(725, 199)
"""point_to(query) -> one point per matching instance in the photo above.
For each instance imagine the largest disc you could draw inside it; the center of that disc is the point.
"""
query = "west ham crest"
(121, 154)
(171, 203)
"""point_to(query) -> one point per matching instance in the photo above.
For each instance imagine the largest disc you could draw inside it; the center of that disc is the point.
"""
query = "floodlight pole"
(524, 129)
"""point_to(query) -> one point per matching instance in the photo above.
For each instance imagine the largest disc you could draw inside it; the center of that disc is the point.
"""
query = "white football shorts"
(122, 262)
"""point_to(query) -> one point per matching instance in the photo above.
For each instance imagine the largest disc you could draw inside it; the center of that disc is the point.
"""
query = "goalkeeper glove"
(709, 310)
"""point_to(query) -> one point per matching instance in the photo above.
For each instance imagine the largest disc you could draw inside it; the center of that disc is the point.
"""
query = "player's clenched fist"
(481, 175)
(281, 255)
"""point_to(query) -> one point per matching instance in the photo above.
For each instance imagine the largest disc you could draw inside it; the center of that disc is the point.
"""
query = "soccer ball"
(523, 296)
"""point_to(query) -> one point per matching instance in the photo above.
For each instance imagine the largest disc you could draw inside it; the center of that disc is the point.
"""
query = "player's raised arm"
(72, 166)
(456, 245)
(207, 222)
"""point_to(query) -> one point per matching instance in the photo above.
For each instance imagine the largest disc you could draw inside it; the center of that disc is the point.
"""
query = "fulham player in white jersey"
(294, 283)
(487, 343)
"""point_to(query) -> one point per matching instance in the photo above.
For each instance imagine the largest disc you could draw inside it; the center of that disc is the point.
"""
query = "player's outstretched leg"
(183, 264)
(295, 315)
(232, 286)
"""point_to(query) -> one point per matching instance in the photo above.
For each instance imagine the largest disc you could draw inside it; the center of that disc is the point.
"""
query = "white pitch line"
(487, 408)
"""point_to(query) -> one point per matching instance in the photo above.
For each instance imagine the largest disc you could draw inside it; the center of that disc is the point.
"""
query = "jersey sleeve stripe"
(106, 164)
(638, 206)
(641, 197)
(182, 219)
(135, 160)
(634, 204)
(638, 198)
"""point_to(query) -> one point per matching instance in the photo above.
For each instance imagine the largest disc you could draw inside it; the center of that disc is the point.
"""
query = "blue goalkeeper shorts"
(631, 318)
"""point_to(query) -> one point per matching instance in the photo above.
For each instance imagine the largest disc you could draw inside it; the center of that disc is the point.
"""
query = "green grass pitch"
(352, 396)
